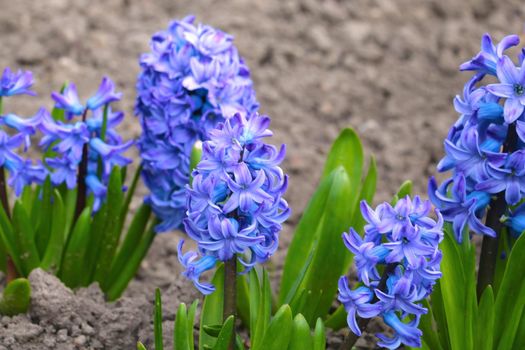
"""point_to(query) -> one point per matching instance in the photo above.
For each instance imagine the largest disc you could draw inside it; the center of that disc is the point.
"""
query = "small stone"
(62, 335)
(80, 340)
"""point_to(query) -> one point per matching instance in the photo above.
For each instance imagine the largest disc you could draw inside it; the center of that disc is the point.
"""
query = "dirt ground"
(386, 68)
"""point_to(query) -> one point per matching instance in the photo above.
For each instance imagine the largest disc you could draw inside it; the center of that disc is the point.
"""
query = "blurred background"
(389, 69)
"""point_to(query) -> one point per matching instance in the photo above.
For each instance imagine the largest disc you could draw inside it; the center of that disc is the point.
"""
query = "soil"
(386, 68)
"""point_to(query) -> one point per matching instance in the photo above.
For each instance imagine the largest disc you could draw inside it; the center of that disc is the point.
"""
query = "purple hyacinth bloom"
(511, 87)
(510, 178)
(516, 220)
(64, 171)
(69, 101)
(404, 240)
(462, 209)
(195, 267)
(486, 60)
(233, 207)
(24, 173)
(98, 189)
(110, 155)
(7, 145)
(191, 80)
(356, 302)
(404, 333)
(104, 95)
(18, 83)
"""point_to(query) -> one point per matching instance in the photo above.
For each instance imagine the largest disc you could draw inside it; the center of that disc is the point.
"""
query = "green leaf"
(225, 336)
(129, 197)
(140, 346)
(320, 280)
(211, 313)
(348, 152)
(519, 342)
(96, 236)
(16, 297)
(73, 269)
(438, 311)
(277, 335)
(301, 338)
(243, 297)
(53, 254)
(191, 320)
(213, 330)
(10, 240)
(70, 199)
(111, 234)
(25, 239)
(45, 214)
(119, 284)
(337, 320)
(485, 321)
(195, 157)
(260, 305)
(136, 231)
(319, 335)
(430, 335)
(367, 194)
(180, 337)
(510, 300)
(458, 290)
(157, 321)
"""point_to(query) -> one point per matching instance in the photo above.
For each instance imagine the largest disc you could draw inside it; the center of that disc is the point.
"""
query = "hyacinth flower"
(235, 203)
(484, 150)
(401, 241)
(192, 79)
(86, 149)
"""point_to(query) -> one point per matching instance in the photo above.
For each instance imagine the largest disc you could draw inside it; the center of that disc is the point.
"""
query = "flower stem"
(351, 338)
(230, 291)
(498, 206)
(81, 179)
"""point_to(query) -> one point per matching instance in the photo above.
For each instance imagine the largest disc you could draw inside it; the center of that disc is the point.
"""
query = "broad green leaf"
(348, 152)
(243, 297)
(485, 321)
(213, 330)
(438, 311)
(226, 335)
(96, 237)
(136, 231)
(504, 247)
(510, 300)
(260, 312)
(519, 342)
(456, 284)
(3, 255)
(157, 321)
(53, 255)
(329, 251)
(180, 337)
(45, 217)
(119, 284)
(301, 338)
(25, 239)
(70, 199)
(140, 346)
(16, 297)
(73, 269)
(430, 335)
(211, 313)
(304, 237)
(277, 335)
(404, 190)
(111, 236)
(129, 197)
(319, 335)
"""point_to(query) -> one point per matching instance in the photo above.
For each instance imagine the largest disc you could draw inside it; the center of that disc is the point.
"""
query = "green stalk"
(362, 323)
(498, 206)
(230, 290)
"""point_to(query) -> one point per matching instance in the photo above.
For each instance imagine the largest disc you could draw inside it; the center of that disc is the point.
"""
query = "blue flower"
(192, 79)
(462, 209)
(233, 207)
(104, 95)
(64, 171)
(7, 145)
(511, 87)
(18, 83)
(69, 101)
(516, 220)
(195, 266)
(404, 240)
(404, 333)
(486, 60)
(357, 302)
(98, 189)
(24, 173)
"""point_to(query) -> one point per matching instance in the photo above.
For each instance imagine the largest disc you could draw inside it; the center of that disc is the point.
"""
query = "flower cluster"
(63, 140)
(403, 240)
(235, 204)
(192, 79)
(484, 148)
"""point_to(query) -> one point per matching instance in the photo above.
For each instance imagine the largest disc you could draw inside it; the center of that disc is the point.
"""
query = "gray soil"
(386, 68)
